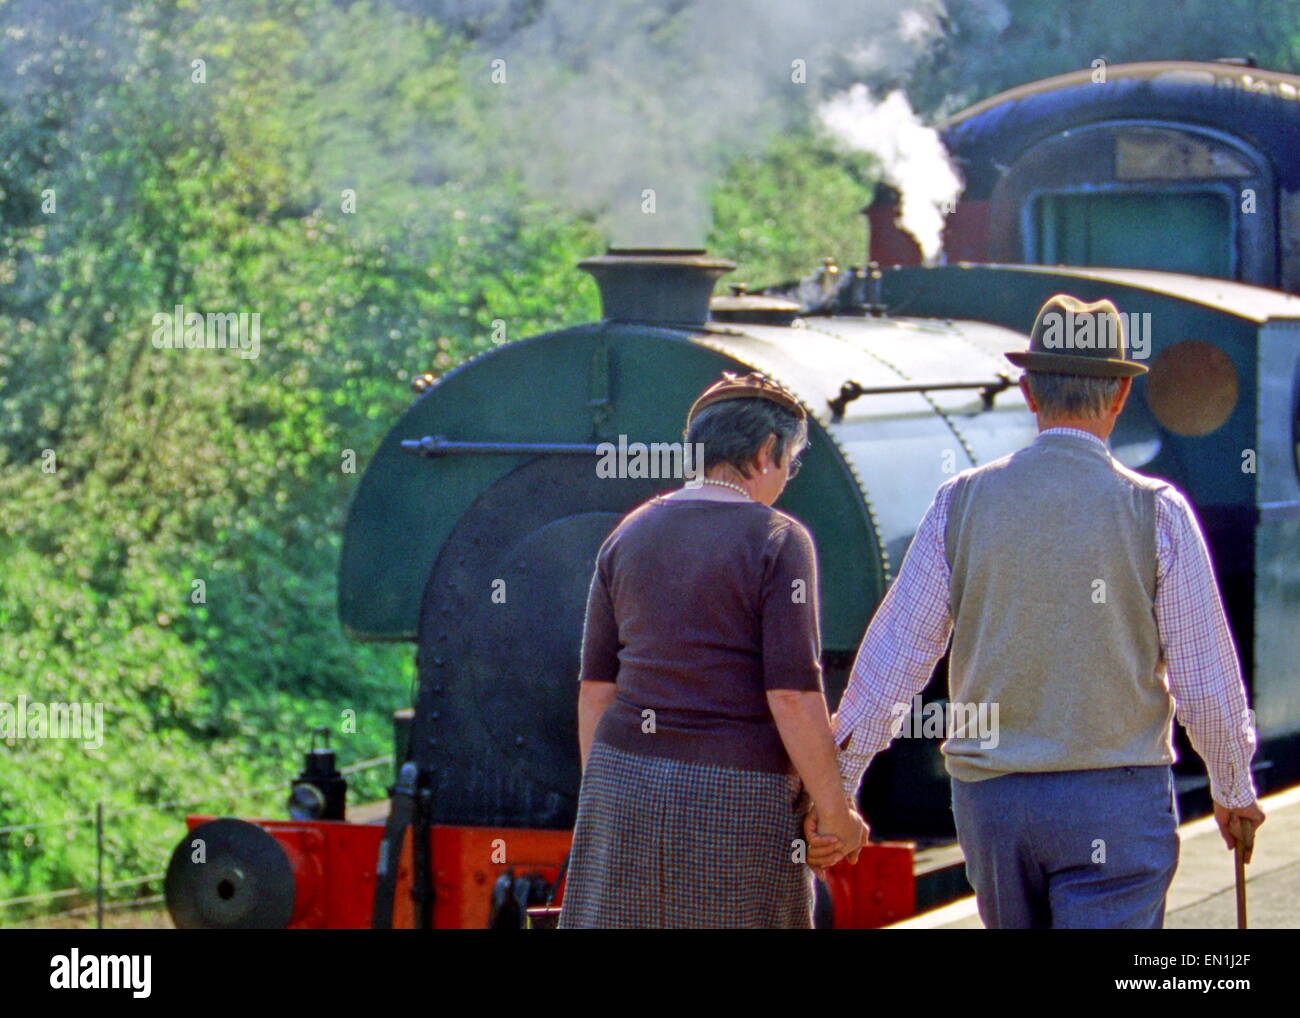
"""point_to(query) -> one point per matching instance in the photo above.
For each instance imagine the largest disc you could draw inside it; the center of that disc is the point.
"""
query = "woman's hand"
(824, 850)
(805, 729)
(827, 842)
(847, 828)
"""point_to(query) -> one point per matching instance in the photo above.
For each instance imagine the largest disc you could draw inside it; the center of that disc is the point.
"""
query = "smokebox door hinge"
(600, 404)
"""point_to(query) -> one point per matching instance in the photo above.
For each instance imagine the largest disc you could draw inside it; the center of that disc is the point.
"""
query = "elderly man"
(1080, 600)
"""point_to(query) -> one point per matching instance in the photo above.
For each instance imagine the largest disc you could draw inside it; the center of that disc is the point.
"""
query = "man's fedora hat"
(1074, 338)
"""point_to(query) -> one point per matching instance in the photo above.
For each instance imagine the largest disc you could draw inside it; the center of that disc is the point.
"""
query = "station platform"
(1203, 893)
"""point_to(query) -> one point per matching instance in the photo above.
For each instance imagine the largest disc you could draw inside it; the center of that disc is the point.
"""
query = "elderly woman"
(702, 719)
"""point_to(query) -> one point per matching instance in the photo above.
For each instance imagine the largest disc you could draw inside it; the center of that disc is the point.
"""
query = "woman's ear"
(765, 460)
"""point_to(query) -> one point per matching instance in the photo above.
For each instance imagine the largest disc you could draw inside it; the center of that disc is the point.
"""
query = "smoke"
(627, 110)
(912, 158)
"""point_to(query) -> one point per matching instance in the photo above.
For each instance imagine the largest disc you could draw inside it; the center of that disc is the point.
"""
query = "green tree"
(992, 45)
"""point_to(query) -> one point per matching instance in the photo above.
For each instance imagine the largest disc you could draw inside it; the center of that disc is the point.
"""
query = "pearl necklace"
(728, 484)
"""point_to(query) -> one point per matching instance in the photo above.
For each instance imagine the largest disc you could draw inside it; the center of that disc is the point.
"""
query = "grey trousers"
(1092, 849)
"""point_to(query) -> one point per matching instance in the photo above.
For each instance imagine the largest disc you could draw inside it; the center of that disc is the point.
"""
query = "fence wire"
(96, 892)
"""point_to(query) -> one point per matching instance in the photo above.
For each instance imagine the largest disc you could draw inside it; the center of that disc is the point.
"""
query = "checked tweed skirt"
(662, 843)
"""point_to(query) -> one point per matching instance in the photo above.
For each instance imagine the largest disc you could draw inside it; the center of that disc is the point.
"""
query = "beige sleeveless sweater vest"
(1052, 553)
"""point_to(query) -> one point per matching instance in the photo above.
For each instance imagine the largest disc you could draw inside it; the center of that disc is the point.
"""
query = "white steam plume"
(912, 158)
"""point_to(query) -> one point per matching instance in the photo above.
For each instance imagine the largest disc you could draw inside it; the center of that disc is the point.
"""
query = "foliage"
(173, 468)
(779, 213)
(989, 46)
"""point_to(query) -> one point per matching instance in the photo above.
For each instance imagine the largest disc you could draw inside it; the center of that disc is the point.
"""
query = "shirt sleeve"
(792, 653)
(600, 643)
(1202, 669)
(904, 641)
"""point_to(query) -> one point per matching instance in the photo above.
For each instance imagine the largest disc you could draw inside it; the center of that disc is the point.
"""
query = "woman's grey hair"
(733, 430)
(1071, 395)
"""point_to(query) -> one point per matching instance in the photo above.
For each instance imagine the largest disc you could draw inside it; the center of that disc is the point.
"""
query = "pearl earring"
(765, 470)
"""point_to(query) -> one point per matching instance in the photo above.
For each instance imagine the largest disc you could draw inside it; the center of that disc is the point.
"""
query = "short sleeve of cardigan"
(790, 623)
(600, 644)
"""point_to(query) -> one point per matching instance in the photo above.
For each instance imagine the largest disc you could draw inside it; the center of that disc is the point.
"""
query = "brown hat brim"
(1067, 364)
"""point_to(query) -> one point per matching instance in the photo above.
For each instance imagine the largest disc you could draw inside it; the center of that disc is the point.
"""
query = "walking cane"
(1244, 844)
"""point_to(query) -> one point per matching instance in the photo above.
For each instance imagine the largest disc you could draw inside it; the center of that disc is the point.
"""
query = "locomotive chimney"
(656, 286)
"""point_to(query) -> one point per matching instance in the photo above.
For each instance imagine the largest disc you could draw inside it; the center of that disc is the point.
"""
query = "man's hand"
(1229, 821)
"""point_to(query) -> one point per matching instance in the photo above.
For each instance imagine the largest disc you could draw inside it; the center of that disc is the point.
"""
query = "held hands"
(830, 841)
(1229, 821)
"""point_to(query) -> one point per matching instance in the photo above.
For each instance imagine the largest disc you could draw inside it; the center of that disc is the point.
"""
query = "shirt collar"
(1077, 433)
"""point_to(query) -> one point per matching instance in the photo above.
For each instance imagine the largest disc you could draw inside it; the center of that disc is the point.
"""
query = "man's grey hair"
(1071, 395)
(733, 430)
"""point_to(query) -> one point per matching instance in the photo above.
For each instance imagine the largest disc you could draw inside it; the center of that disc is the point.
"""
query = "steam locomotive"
(474, 529)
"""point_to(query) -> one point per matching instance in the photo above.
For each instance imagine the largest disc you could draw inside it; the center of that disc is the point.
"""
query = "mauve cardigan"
(697, 607)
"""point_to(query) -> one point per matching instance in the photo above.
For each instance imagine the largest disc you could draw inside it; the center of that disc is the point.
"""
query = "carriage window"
(1133, 230)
